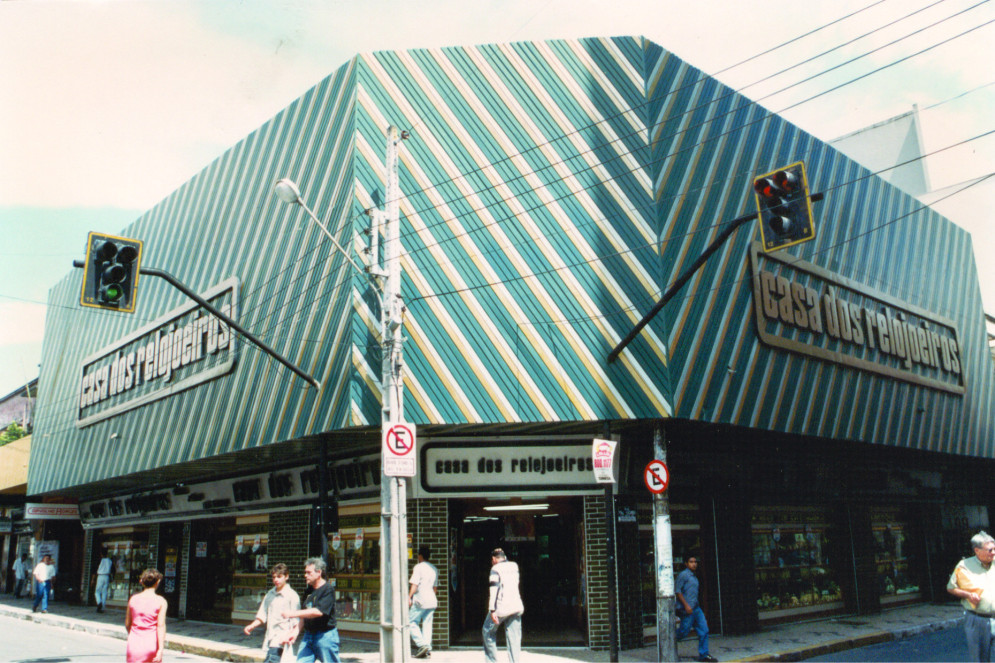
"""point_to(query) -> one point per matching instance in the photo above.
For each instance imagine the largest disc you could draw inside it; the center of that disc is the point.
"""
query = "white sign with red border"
(656, 476)
(399, 457)
(603, 456)
(42, 511)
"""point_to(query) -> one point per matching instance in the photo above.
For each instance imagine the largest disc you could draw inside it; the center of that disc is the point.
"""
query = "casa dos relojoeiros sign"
(459, 467)
(812, 311)
(182, 349)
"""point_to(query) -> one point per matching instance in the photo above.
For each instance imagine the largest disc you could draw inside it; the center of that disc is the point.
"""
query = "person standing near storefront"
(280, 632)
(20, 569)
(973, 582)
(423, 602)
(504, 606)
(689, 610)
(43, 575)
(103, 581)
(320, 640)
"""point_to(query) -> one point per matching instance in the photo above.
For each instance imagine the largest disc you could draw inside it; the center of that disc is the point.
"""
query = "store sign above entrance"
(182, 349)
(500, 468)
(42, 511)
(809, 310)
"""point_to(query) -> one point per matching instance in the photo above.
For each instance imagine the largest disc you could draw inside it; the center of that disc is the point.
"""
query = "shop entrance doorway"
(546, 538)
(171, 556)
(212, 570)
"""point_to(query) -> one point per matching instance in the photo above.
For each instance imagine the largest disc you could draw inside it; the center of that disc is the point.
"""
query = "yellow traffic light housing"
(784, 207)
(110, 275)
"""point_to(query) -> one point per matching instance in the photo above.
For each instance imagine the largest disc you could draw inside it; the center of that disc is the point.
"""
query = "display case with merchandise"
(129, 553)
(791, 564)
(354, 565)
(251, 578)
(895, 560)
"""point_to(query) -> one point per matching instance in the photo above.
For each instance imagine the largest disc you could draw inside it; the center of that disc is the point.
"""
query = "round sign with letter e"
(399, 449)
(656, 476)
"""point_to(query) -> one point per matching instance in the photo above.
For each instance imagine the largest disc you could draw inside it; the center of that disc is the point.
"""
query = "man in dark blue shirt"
(689, 610)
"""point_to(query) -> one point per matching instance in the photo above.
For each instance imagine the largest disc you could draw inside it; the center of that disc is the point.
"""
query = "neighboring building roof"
(18, 406)
(882, 146)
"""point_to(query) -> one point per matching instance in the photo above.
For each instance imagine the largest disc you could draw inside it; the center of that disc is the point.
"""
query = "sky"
(107, 106)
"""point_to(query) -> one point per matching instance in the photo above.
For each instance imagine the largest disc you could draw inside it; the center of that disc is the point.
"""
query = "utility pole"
(393, 490)
(663, 554)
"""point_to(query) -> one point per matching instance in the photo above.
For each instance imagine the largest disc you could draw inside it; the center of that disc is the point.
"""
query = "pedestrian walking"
(145, 621)
(973, 582)
(20, 569)
(103, 581)
(504, 608)
(422, 602)
(278, 643)
(43, 582)
(320, 638)
(689, 610)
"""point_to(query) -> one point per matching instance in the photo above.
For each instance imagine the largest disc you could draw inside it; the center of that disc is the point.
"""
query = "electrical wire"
(711, 102)
(699, 80)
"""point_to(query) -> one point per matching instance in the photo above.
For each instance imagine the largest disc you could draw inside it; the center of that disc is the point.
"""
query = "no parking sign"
(399, 449)
(656, 476)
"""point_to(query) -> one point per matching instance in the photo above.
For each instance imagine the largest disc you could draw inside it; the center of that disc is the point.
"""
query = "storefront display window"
(252, 579)
(128, 549)
(354, 558)
(895, 558)
(791, 562)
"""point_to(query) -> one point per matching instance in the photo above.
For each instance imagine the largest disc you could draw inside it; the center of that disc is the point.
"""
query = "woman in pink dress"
(145, 621)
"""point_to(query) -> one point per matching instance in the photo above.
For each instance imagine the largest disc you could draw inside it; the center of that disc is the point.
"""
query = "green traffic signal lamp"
(110, 278)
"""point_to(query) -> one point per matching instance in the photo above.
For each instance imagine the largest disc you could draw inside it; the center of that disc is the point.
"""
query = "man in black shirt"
(319, 637)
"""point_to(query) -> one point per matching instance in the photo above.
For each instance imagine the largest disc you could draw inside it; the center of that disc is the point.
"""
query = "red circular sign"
(656, 476)
(400, 439)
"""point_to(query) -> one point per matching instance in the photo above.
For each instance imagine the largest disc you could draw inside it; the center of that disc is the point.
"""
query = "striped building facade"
(824, 406)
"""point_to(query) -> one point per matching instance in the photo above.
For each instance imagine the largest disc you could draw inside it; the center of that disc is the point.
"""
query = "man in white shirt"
(280, 632)
(422, 602)
(43, 575)
(504, 607)
(20, 574)
(103, 581)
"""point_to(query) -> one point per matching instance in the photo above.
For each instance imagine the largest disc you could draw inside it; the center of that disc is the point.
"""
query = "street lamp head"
(287, 191)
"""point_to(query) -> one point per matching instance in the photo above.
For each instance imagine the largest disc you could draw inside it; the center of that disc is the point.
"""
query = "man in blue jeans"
(319, 637)
(504, 608)
(689, 610)
(43, 583)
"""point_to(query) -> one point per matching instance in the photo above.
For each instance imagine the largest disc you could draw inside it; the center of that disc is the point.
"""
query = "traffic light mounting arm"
(686, 276)
(172, 280)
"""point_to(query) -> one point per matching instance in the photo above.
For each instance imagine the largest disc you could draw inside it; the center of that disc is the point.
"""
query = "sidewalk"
(788, 642)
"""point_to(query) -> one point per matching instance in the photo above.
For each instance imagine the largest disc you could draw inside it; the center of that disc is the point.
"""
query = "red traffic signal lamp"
(784, 207)
(110, 275)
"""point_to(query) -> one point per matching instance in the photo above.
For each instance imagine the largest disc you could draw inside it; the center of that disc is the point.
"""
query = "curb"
(844, 644)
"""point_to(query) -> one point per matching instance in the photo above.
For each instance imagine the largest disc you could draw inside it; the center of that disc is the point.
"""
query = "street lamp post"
(393, 498)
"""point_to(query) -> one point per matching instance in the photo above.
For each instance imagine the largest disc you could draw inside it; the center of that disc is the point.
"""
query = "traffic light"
(110, 277)
(784, 207)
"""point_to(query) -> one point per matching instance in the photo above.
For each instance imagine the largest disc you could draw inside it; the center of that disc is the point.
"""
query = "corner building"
(827, 408)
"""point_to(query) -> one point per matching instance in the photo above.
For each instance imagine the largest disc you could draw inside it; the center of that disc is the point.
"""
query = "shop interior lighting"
(518, 507)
